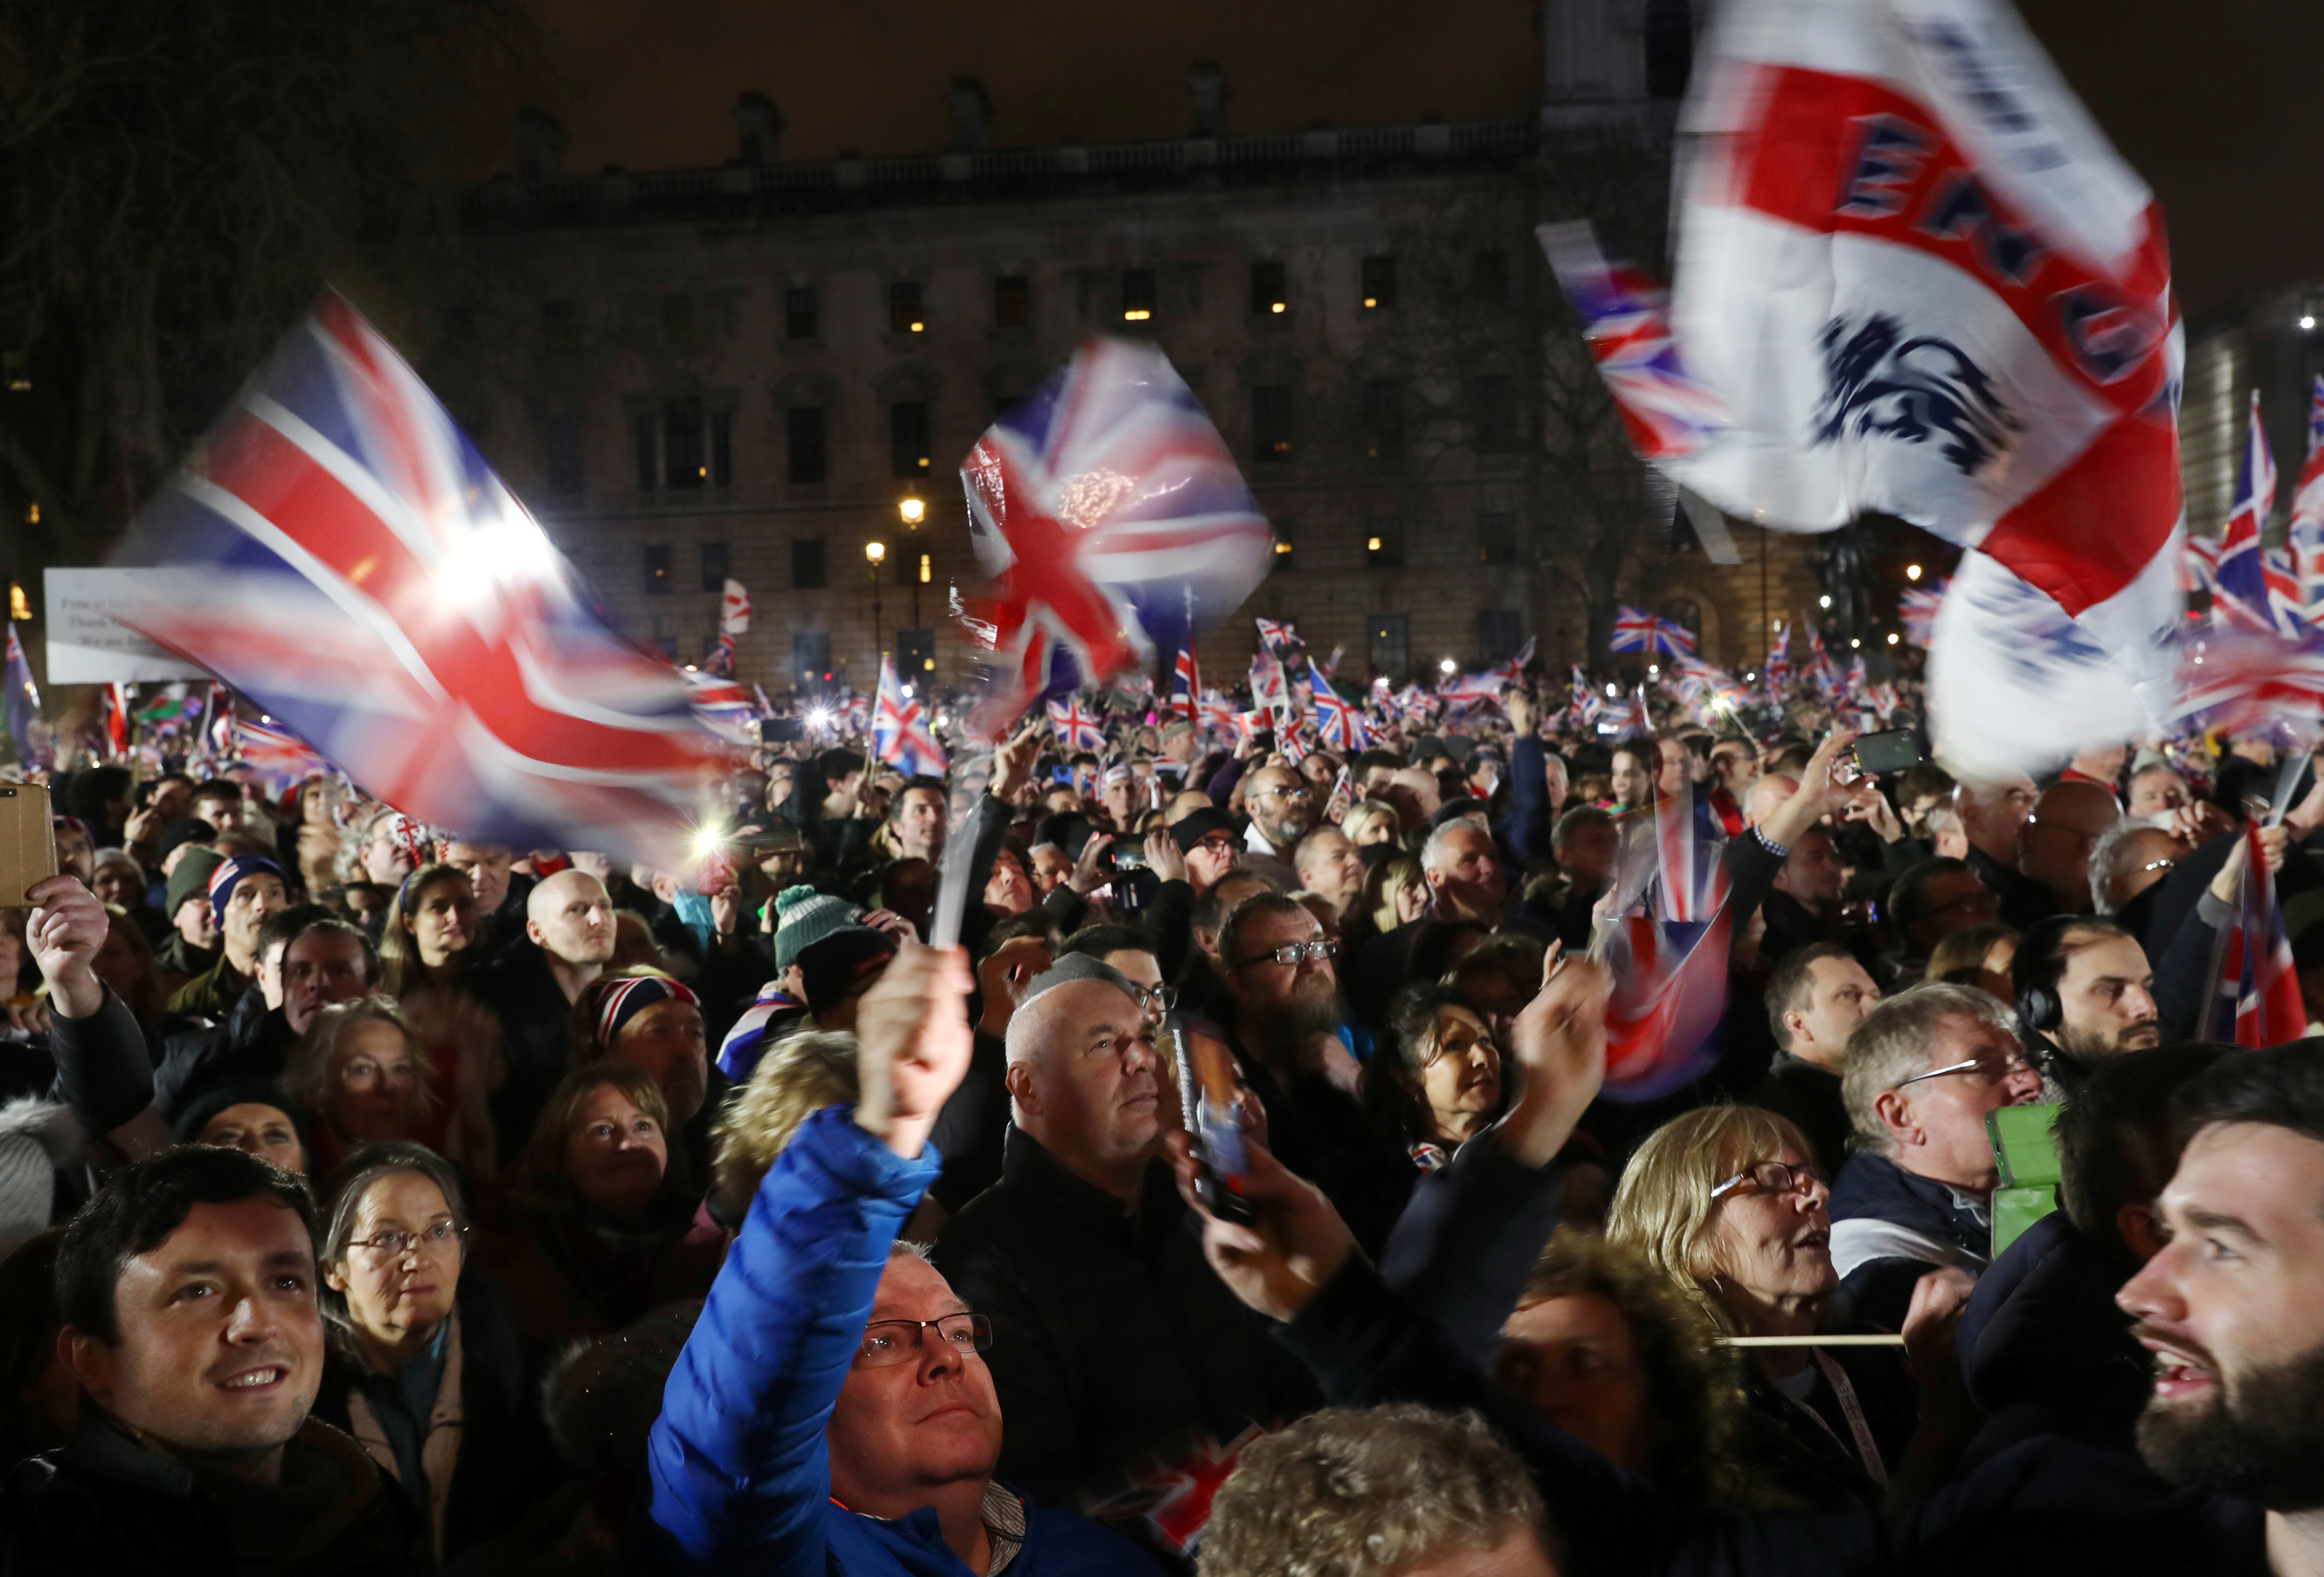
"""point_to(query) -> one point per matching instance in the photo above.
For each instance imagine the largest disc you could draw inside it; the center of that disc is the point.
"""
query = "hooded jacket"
(1890, 1228)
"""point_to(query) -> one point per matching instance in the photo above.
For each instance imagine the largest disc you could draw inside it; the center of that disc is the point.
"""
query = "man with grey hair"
(1283, 806)
(2131, 858)
(1114, 1343)
(1366, 1493)
(1462, 868)
(1923, 1069)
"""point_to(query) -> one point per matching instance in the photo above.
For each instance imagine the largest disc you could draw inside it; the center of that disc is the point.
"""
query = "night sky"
(2216, 103)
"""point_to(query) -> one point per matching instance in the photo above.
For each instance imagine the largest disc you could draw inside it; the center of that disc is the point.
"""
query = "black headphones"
(2040, 960)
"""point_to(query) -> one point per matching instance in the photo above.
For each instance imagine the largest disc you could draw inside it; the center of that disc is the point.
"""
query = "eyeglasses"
(1302, 792)
(2158, 865)
(394, 1242)
(888, 1343)
(1159, 999)
(1991, 1069)
(1775, 1177)
(1292, 953)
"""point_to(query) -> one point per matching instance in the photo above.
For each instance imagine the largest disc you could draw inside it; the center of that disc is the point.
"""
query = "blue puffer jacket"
(741, 1477)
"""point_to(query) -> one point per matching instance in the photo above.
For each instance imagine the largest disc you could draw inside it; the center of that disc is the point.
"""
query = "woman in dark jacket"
(424, 1368)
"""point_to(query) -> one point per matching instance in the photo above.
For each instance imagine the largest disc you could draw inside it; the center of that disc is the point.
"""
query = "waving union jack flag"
(343, 557)
(1626, 321)
(1106, 505)
(280, 756)
(725, 708)
(1185, 685)
(2255, 998)
(1339, 725)
(2242, 582)
(1077, 730)
(899, 730)
(24, 725)
(1636, 630)
(1216, 711)
(1778, 671)
(1583, 705)
(1917, 610)
(1278, 640)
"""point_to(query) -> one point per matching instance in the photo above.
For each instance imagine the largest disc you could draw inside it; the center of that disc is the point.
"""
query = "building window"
(1269, 290)
(560, 326)
(1384, 543)
(684, 444)
(811, 655)
(927, 569)
(1378, 291)
(1136, 295)
(1496, 539)
(1271, 423)
(916, 655)
(1013, 301)
(713, 566)
(1286, 557)
(802, 312)
(904, 314)
(908, 437)
(803, 429)
(1495, 397)
(1388, 645)
(1499, 631)
(562, 456)
(657, 567)
(680, 327)
(807, 564)
(1489, 275)
(1669, 41)
(1380, 419)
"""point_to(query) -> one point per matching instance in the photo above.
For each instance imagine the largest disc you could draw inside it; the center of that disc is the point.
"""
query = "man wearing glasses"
(1923, 1069)
(1283, 808)
(832, 1410)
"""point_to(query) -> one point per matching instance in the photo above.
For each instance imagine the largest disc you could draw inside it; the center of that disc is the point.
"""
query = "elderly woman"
(1603, 1346)
(601, 1231)
(360, 1070)
(645, 1018)
(424, 1368)
(1726, 1203)
(425, 944)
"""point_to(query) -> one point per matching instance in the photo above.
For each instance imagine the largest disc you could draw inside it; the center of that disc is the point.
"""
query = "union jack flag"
(1636, 630)
(115, 721)
(1185, 685)
(720, 660)
(1278, 640)
(1917, 610)
(1778, 671)
(1216, 711)
(1104, 506)
(280, 756)
(24, 725)
(351, 564)
(2199, 565)
(2285, 605)
(734, 610)
(1339, 724)
(1668, 951)
(2239, 679)
(1513, 670)
(1583, 706)
(2242, 588)
(2307, 534)
(1077, 730)
(2255, 998)
(899, 730)
(1464, 690)
(1626, 321)
(724, 707)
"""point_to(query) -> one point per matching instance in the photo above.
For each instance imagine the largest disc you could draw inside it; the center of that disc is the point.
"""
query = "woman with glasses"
(1726, 1202)
(424, 1368)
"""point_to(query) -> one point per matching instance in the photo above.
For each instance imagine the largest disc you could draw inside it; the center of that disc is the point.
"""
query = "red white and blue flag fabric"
(720, 660)
(724, 707)
(2255, 998)
(279, 755)
(2199, 565)
(115, 722)
(1778, 671)
(899, 730)
(1514, 669)
(30, 735)
(1919, 283)
(1217, 713)
(1668, 951)
(344, 558)
(1106, 507)
(1339, 724)
(2306, 536)
(1077, 728)
(1916, 610)
(2241, 592)
(1278, 640)
(1625, 320)
(1185, 685)
(1466, 690)
(1636, 630)
(1583, 705)
(734, 610)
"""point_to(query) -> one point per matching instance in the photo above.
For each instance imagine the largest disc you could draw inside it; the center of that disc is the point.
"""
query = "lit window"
(1136, 295)
(905, 313)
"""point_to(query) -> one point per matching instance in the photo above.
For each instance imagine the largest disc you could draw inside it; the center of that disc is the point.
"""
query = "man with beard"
(2085, 994)
(1079, 1256)
(1282, 805)
(1282, 984)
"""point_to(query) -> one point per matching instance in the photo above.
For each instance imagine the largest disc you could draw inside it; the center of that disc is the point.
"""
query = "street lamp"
(874, 552)
(912, 510)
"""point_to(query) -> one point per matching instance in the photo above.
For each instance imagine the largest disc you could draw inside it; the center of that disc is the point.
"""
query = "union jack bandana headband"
(629, 998)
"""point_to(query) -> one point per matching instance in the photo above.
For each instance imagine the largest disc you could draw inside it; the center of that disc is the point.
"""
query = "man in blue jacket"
(832, 1412)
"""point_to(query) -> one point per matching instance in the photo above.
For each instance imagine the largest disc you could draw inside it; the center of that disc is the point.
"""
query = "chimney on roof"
(1208, 85)
(540, 144)
(972, 115)
(758, 127)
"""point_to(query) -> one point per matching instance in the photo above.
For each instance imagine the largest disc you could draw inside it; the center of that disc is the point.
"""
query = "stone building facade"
(764, 370)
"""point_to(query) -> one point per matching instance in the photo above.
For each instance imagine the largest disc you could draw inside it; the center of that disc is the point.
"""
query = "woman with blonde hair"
(1728, 1203)
(800, 1076)
(426, 942)
(1370, 821)
(1394, 892)
(360, 1070)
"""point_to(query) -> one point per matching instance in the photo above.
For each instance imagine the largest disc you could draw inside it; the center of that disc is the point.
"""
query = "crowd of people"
(377, 1200)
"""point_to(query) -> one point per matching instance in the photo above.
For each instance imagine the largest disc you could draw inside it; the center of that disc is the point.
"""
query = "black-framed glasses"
(1304, 791)
(888, 1343)
(1775, 1177)
(1159, 999)
(1991, 1069)
(394, 1242)
(1293, 953)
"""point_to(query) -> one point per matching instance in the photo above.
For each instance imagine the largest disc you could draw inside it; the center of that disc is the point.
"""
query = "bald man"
(2053, 846)
(1112, 1338)
(568, 940)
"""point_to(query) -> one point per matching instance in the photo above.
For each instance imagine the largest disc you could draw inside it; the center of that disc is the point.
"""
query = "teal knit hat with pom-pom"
(803, 917)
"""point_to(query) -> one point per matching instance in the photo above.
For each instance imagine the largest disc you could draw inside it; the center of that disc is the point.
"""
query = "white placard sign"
(87, 647)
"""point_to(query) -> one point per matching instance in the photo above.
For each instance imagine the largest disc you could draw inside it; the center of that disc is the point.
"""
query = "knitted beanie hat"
(191, 878)
(804, 916)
